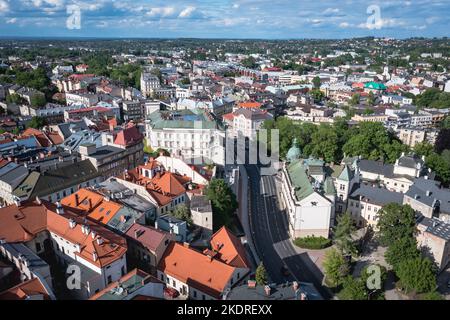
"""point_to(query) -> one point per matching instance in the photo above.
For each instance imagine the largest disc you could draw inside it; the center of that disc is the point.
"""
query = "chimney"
(38, 200)
(59, 208)
(428, 193)
(267, 290)
(72, 223)
(99, 240)
(93, 234)
(90, 204)
(295, 285)
(94, 256)
(77, 199)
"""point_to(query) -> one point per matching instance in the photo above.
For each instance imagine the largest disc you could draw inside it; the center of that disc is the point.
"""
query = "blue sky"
(271, 19)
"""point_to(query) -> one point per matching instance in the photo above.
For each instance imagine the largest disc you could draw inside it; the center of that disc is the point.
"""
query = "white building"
(308, 196)
(190, 134)
(149, 83)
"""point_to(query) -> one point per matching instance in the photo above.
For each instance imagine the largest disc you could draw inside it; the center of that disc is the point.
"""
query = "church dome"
(294, 152)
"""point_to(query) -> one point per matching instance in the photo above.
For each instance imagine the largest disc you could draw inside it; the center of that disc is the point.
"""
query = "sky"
(237, 19)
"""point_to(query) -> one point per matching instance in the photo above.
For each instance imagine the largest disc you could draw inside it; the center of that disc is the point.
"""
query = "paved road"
(270, 231)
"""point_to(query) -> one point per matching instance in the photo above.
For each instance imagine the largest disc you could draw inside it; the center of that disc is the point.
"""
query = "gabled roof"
(26, 290)
(197, 270)
(22, 224)
(97, 207)
(229, 248)
(150, 237)
(128, 136)
(346, 174)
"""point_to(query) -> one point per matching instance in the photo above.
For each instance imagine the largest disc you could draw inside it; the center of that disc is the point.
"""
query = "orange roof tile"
(97, 207)
(229, 248)
(22, 224)
(208, 275)
(251, 105)
(24, 290)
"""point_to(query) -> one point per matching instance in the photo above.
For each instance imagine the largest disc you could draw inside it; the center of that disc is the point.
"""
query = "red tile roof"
(150, 237)
(22, 224)
(229, 248)
(128, 136)
(197, 270)
(24, 290)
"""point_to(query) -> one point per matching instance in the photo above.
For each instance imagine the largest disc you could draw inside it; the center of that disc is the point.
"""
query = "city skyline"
(249, 19)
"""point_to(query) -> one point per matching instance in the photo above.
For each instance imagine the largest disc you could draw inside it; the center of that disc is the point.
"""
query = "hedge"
(313, 243)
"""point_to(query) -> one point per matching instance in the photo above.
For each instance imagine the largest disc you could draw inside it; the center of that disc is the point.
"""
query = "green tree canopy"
(37, 123)
(353, 289)
(336, 267)
(182, 212)
(343, 234)
(417, 274)
(223, 202)
(261, 275)
(38, 100)
(396, 222)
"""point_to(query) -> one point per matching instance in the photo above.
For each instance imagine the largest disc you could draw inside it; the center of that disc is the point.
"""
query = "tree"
(423, 149)
(371, 99)
(249, 62)
(396, 222)
(261, 275)
(317, 94)
(14, 98)
(433, 295)
(417, 274)
(440, 165)
(403, 249)
(223, 202)
(355, 100)
(324, 143)
(182, 212)
(373, 142)
(343, 234)
(38, 100)
(353, 289)
(316, 82)
(336, 267)
(442, 141)
(37, 123)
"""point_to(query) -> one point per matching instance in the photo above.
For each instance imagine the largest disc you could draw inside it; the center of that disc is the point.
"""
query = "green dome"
(294, 152)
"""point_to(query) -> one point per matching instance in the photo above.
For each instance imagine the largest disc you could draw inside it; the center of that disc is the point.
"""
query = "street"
(270, 233)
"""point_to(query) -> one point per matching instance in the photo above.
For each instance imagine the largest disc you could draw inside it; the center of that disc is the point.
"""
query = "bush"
(313, 243)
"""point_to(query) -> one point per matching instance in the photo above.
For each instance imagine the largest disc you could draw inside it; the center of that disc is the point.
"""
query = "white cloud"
(187, 13)
(161, 12)
(4, 6)
(11, 21)
(344, 25)
(331, 11)
(382, 23)
(236, 6)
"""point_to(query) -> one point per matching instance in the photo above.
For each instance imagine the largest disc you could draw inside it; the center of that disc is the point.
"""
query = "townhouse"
(208, 275)
(74, 241)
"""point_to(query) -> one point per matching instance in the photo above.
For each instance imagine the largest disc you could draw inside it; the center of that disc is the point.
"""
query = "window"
(38, 247)
(162, 277)
(122, 271)
(173, 283)
(203, 297)
(109, 279)
(195, 293)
